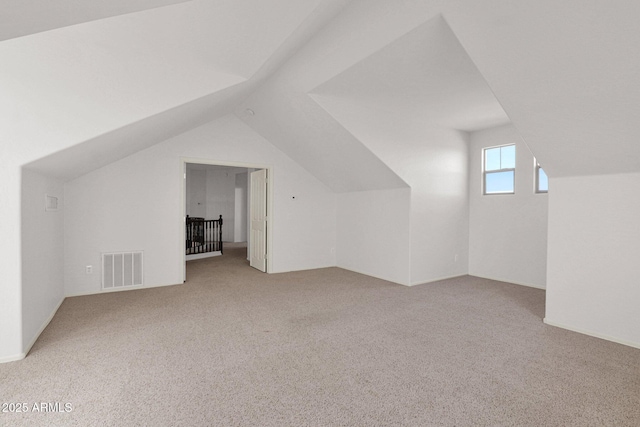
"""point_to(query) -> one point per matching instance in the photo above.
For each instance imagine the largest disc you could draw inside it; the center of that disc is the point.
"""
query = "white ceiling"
(93, 88)
(22, 17)
(129, 74)
(84, 80)
(424, 78)
(567, 73)
(331, 119)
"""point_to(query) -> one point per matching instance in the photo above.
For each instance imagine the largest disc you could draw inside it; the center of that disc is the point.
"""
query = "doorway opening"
(228, 205)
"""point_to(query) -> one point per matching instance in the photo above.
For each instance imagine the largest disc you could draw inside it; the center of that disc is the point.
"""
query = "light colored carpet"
(235, 347)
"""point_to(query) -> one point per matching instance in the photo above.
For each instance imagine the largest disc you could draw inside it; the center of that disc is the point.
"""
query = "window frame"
(537, 168)
(485, 172)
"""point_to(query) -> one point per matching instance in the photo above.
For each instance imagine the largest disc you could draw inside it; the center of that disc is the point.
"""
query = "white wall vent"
(121, 269)
(50, 203)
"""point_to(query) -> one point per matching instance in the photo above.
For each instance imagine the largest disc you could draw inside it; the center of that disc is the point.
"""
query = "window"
(542, 182)
(499, 170)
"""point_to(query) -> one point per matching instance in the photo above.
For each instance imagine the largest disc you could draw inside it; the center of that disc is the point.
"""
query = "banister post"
(220, 234)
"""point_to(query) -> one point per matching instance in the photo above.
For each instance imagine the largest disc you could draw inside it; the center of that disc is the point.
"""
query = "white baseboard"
(15, 358)
(592, 334)
(420, 282)
(528, 285)
(424, 282)
(128, 288)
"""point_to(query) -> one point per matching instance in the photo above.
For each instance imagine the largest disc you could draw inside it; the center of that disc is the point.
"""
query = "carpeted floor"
(235, 347)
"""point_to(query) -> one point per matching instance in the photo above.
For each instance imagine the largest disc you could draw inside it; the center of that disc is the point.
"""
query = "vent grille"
(50, 203)
(121, 269)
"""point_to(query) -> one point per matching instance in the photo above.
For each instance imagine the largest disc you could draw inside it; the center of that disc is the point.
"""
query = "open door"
(258, 206)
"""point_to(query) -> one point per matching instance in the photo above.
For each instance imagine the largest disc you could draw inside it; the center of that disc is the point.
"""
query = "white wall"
(507, 233)
(219, 190)
(196, 193)
(10, 259)
(593, 280)
(42, 253)
(373, 233)
(135, 203)
(29, 304)
(438, 175)
(433, 161)
(241, 208)
(221, 193)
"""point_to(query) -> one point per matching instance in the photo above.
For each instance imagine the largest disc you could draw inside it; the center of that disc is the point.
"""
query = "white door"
(258, 249)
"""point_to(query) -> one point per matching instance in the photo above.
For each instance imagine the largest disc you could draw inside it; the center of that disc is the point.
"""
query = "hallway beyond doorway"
(234, 257)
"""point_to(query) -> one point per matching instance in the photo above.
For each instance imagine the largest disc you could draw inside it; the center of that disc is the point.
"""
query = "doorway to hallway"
(235, 201)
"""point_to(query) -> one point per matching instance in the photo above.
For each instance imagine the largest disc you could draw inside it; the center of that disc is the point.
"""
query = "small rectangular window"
(499, 170)
(542, 181)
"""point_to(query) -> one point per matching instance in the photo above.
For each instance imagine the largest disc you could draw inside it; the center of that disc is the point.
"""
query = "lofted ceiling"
(393, 91)
(23, 17)
(85, 83)
(101, 90)
(567, 73)
(424, 77)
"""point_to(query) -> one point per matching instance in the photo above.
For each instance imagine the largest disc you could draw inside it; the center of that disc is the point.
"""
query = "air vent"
(121, 269)
(50, 203)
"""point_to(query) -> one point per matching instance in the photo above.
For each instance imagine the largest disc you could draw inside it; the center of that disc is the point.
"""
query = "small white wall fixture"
(268, 203)
(50, 203)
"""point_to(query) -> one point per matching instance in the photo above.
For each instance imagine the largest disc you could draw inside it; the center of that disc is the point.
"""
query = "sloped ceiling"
(566, 73)
(22, 17)
(84, 94)
(425, 77)
(412, 80)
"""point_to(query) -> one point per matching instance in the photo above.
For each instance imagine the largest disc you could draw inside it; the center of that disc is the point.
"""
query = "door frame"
(183, 202)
